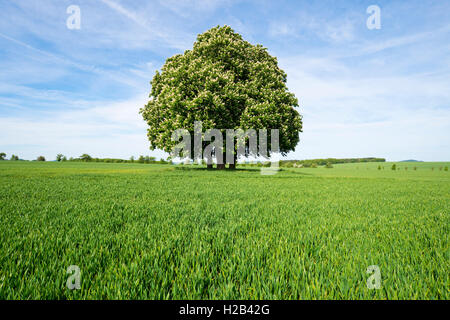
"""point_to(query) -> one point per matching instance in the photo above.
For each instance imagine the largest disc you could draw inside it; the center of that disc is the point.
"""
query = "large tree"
(227, 83)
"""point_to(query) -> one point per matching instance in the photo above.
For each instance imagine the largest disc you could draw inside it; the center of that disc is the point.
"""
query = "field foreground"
(156, 232)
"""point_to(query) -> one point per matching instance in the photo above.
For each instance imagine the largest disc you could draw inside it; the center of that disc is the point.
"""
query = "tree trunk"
(220, 154)
(221, 166)
(232, 166)
(209, 166)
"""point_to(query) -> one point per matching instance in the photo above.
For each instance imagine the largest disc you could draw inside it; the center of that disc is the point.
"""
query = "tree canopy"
(85, 157)
(225, 82)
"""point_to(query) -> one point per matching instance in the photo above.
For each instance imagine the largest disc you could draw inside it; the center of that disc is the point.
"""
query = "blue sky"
(382, 92)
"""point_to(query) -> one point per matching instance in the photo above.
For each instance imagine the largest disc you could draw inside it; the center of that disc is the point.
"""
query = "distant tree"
(394, 167)
(379, 167)
(306, 164)
(2, 156)
(415, 168)
(71, 159)
(59, 157)
(131, 159)
(314, 165)
(14, 157)
(85, 157)
(40, 158)
(328, 165)
(64, 158)
(148, 159)
(141, 159)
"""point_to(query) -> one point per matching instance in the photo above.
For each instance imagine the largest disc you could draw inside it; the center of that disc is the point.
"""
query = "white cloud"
(372, 46)
(338, 31)
(105, 129)
(303, 25)
(189, 8)
(113, 75)
(350, 113)
(281, 29)
(150, 29)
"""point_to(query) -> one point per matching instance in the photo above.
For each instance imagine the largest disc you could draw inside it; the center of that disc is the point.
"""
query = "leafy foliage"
(225, 82)
(85, 157)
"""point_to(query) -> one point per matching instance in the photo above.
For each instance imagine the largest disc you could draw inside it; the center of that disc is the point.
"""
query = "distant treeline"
(148, 159)
(322, 162)
(141, 159)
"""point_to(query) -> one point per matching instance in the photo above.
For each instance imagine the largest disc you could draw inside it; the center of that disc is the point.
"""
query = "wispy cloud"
(154, 30)
(87, 68)
(306, 26)
(370, 47)
(130, 15)
(102, 128)
(281, 29)
(189, 8)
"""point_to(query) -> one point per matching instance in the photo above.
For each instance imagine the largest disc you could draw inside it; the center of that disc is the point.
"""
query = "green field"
(156, 232)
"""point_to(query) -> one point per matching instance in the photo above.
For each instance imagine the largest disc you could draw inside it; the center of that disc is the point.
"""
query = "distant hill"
(411, 160)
